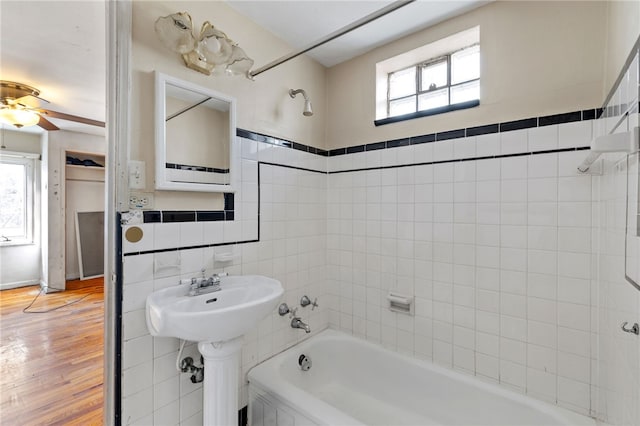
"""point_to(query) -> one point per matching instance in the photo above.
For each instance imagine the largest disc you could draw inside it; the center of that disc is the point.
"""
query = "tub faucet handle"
(634, 329)
(305, 301)
(283, 310)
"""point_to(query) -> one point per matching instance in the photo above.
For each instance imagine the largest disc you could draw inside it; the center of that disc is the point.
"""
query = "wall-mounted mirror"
(195, 134)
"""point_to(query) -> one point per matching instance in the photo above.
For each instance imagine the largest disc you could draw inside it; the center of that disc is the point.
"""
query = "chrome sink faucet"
(205, 285)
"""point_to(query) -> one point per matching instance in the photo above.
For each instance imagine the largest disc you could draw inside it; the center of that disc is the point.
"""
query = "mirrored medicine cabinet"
(195, 129)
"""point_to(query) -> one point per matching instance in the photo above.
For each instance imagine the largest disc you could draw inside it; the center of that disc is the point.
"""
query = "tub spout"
(297, 323)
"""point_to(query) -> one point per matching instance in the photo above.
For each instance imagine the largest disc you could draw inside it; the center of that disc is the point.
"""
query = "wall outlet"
(141, 201)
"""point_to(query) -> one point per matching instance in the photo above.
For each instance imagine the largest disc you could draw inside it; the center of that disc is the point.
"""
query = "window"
(16, 200)
(437, 83)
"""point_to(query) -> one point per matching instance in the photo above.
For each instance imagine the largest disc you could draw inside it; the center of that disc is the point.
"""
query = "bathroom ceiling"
(300, 23)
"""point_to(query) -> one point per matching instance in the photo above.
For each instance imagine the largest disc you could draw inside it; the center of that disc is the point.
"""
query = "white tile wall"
(292, 249)
(617, 370)
(499, 254)
(484, 246)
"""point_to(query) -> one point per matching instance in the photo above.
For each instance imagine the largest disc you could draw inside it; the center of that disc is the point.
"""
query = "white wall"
(21, 264)
(537, 58)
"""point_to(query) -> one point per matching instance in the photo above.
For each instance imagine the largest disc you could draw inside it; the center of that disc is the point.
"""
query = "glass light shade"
(214, 45)
(211, 52)
(175, 32)
(19, 117)
(239, 63)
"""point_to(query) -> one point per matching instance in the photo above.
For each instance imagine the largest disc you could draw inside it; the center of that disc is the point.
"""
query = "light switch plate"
(137, 174)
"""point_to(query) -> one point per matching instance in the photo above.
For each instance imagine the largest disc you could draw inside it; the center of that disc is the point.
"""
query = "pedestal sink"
(217, 321)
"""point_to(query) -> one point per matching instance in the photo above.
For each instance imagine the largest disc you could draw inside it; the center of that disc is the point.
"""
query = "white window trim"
(419, 90)
(27, 159)
(434, 49)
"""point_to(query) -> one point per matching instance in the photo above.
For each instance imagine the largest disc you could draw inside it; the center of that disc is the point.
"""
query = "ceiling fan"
(20, 106)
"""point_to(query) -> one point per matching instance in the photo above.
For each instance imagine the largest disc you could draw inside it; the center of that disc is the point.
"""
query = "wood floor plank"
(51, 364)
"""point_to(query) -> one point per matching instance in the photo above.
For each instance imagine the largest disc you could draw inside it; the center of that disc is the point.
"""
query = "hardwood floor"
(51, 364)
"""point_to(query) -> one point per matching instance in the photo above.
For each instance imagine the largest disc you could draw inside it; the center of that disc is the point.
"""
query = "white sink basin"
(240, 305)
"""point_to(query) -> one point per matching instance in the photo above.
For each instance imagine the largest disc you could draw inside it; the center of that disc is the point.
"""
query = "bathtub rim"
(308, 405)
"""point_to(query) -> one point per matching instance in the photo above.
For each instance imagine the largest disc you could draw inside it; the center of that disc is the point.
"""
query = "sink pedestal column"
(220, 387)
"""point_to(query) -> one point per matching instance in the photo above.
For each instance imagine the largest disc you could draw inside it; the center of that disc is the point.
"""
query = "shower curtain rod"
(342, 31)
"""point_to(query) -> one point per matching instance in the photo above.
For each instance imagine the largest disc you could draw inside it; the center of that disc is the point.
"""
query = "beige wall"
(198, 137)
(263, 105)
(19, 141)
(538, 58)
(622, 31)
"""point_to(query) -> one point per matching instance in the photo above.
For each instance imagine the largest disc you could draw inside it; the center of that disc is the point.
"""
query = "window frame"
(28, 161)
(418, 85)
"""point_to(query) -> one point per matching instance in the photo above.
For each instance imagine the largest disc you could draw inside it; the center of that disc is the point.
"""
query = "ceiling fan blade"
(46, 124)
(69, 117)
(30, 101)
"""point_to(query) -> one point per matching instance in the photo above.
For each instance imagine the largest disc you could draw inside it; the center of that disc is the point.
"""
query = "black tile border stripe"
(117, 324)
(527, 123)
(231, 243)
(272, 140)
(181, 216)
(462, 160)
(191, 168)
(177, 216)
(266, 163)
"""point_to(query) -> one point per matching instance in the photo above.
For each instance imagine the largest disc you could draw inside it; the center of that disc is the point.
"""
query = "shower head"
(308, 110)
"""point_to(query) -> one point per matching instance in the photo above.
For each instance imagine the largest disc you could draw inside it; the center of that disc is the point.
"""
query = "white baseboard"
(8, 286)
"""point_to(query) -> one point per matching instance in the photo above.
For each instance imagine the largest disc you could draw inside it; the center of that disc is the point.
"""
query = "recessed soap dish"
(400, 303)
(226, 257)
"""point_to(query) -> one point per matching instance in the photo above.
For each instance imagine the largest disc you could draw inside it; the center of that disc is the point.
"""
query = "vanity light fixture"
(307, 111)
(209, 52)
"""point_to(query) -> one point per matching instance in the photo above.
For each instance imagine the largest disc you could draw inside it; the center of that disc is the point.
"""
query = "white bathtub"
(354, 382)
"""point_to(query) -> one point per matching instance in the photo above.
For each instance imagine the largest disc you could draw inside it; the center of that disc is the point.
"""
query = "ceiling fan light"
(19, 117)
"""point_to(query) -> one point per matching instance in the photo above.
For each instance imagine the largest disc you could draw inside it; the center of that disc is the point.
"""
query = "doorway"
(52, 326)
